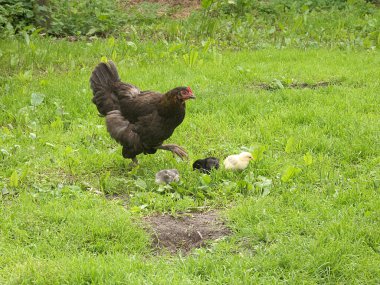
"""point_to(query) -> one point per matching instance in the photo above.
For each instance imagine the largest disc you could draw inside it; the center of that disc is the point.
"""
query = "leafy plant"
(15, 15)
(308, 159)
(290, 145)
(37, 99)
(289, 173)
(191, 58)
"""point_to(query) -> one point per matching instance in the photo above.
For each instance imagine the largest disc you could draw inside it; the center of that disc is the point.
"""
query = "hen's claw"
(134, 162)
(175, 149)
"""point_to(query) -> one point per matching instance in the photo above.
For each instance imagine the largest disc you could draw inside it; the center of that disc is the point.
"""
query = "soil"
(186, 231)
(124, 198)
(183, 7)
(186, 3)
(301, 85)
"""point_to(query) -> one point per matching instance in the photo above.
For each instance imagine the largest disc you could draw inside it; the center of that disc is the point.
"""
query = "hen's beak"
(188, 96)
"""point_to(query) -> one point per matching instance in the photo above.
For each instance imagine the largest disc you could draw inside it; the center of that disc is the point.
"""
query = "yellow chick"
(237, 161)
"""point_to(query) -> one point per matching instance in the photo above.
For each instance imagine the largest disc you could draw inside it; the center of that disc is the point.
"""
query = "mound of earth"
(187, 3)
(187, 231)
(183, 8)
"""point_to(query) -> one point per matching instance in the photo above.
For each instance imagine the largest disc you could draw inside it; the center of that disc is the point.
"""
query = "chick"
(205, 165)
(237, 161)
(167, 176)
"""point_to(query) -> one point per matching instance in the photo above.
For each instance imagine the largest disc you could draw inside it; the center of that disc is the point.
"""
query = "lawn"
(306, 210)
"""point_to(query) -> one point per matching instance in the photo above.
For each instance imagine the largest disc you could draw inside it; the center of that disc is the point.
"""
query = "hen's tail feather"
(102, 81)
(104, 74)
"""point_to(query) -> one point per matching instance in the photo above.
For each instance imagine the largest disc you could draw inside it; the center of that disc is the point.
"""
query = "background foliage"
(231, 23)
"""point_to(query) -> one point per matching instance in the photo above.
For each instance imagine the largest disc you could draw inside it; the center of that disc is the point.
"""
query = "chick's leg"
(175, 149)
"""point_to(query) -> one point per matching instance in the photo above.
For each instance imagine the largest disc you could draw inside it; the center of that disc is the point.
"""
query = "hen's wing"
(143, 136)
(139, 106)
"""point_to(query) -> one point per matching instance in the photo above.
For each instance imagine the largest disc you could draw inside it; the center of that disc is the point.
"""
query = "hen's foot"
(175, 149)
(133, 163)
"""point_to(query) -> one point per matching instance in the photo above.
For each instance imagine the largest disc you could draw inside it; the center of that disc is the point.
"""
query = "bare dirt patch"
(296, 85)
(187, 3)
(186, 231)
(182, 8)
(123, 198)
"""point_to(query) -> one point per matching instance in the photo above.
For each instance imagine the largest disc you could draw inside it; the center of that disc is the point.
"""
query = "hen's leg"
(134, 161)
(127, 154)
(175, 149)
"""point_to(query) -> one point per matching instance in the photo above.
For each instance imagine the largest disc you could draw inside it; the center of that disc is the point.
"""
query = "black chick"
(205, 165)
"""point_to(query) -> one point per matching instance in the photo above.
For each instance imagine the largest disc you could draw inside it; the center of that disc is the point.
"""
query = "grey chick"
(167, 176)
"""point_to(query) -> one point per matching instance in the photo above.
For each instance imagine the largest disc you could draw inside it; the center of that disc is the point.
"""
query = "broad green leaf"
(13, 180)
(114, 55)
(135, 209)
(103, 180)
(244, 185)
(161, 189)
(24, 173)
(92, 31)
(290, 145)
(111, 41)
(37, 99)
(4, 191)
(278, 83)
(140, 183)
(57, 124)
(26, 37)
(68, 150)
(206, 179)
(258, 152)
(132, 45)
(289, 173)
(263, 182)
(6, 131)
(266, 192)
(206, 3)
(308, 159)
(43, 82)
(14, 60)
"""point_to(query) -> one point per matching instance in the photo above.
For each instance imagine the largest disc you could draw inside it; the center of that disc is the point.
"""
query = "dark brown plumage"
(139, 120)
(205, 165)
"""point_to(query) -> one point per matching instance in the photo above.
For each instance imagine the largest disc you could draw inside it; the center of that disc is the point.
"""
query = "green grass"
(320, 225)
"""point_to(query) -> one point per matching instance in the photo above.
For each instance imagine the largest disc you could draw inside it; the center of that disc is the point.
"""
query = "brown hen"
(139, 120)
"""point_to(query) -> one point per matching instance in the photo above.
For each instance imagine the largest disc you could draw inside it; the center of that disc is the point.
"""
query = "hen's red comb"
(189, 90)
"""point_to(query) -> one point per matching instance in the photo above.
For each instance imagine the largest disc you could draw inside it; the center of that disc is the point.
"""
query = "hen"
(139, 120)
